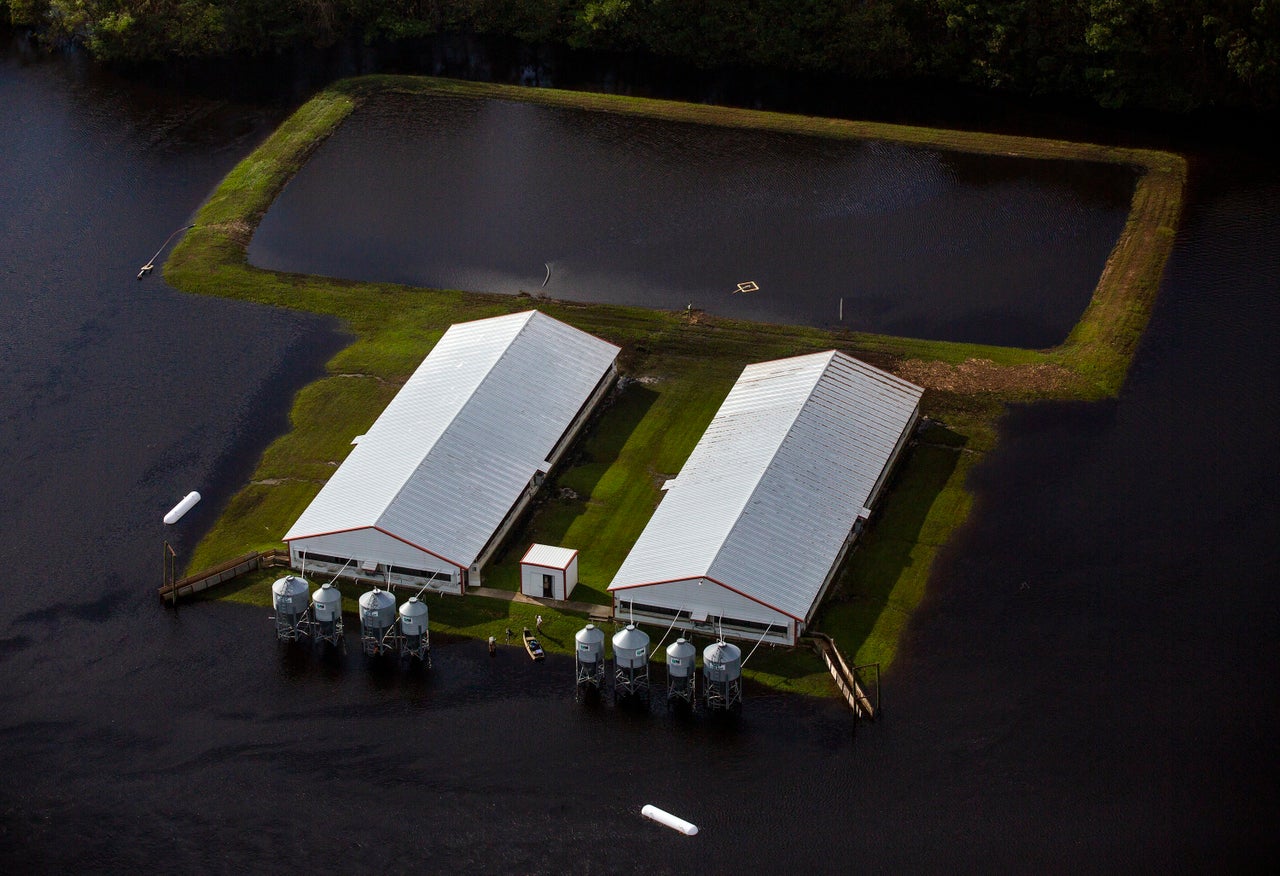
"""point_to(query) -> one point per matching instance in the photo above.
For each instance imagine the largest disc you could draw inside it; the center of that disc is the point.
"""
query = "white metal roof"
(766, 499)
(549, 556)
(463, 437)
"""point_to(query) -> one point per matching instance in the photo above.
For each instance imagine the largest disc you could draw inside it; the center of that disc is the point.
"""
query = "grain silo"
(588, 659)
(722, 677)
(326, 606)
(291, 600)
(377, 622)
(415, 637)
(681, 673)
(631, 664)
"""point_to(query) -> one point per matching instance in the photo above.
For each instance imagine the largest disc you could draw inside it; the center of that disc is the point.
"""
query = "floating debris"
(150, 266)
(666, 818)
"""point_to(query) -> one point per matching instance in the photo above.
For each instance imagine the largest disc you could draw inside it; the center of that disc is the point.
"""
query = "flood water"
(1089, 686)
(508, 197)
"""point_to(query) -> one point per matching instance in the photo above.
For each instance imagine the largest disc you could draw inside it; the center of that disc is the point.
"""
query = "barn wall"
(370, 544)
(741, 617)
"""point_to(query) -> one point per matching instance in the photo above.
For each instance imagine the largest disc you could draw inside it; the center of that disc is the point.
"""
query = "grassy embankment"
(683, 366)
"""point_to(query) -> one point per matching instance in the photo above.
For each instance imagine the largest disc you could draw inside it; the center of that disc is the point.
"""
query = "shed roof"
(766, 499)
(550, 556)
(451, 453)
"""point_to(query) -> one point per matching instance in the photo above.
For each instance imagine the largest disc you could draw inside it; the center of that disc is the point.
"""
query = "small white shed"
(548, 572)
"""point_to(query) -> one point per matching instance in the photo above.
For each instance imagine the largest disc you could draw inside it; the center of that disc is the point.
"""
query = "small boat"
(532, 645)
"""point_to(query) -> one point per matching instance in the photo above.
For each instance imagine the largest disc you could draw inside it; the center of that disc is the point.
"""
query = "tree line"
(1164, 55)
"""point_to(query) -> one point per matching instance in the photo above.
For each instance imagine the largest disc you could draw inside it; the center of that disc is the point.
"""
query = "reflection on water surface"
(491, 195)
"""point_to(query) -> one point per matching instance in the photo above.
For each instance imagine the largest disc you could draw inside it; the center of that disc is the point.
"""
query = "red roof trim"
(421, 548)
(331, 532)
(524, 561)
(384, 532)
(613, 587)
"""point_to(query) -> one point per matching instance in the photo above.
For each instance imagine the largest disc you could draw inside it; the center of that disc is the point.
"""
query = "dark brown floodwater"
(505, 196)
(1089, 686)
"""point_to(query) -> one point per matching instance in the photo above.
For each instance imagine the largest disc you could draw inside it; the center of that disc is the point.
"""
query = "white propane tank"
(188, 502)
(666, 818)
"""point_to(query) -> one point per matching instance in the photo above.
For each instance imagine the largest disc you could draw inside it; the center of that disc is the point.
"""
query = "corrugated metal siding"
(463, 438)
(769, 495)
(370, 544)
(703, 596)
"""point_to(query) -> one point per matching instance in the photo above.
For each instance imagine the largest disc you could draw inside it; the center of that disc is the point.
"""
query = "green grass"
(681, 367)
(885, 578)
(450, 616)
(255, 519)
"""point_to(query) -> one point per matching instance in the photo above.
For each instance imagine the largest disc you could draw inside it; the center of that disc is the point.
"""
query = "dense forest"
(1163, 55)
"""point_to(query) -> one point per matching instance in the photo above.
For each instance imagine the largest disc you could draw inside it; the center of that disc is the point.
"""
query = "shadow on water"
(95, 610)
(656, 214)
(1095, 184)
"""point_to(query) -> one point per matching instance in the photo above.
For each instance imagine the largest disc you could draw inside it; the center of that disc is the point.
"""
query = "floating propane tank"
(291, 599)
(415, 636)
(326, 607)
(588, 658)
(668, 820)
(631, 664)
(377, 622)
(722, 677)
(681, 673)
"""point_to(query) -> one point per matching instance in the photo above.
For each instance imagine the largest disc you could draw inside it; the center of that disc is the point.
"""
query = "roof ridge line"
(737, 519)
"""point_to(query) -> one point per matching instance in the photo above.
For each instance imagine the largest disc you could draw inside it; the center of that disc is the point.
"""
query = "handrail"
(253, 561)
(846, 678)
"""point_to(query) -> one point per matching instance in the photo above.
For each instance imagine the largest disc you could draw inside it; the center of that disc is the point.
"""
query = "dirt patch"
(983, 375)
(238, 230)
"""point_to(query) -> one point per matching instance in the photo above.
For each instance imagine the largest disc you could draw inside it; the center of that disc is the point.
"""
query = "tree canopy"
(1151, 54)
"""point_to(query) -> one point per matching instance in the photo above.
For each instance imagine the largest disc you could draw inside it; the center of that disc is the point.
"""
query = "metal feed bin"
(588, 658)
(415, 636)
(631, 664)
(326, 606)
(681, 673)
(377, 622)
(291, 598)
(722, 676)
